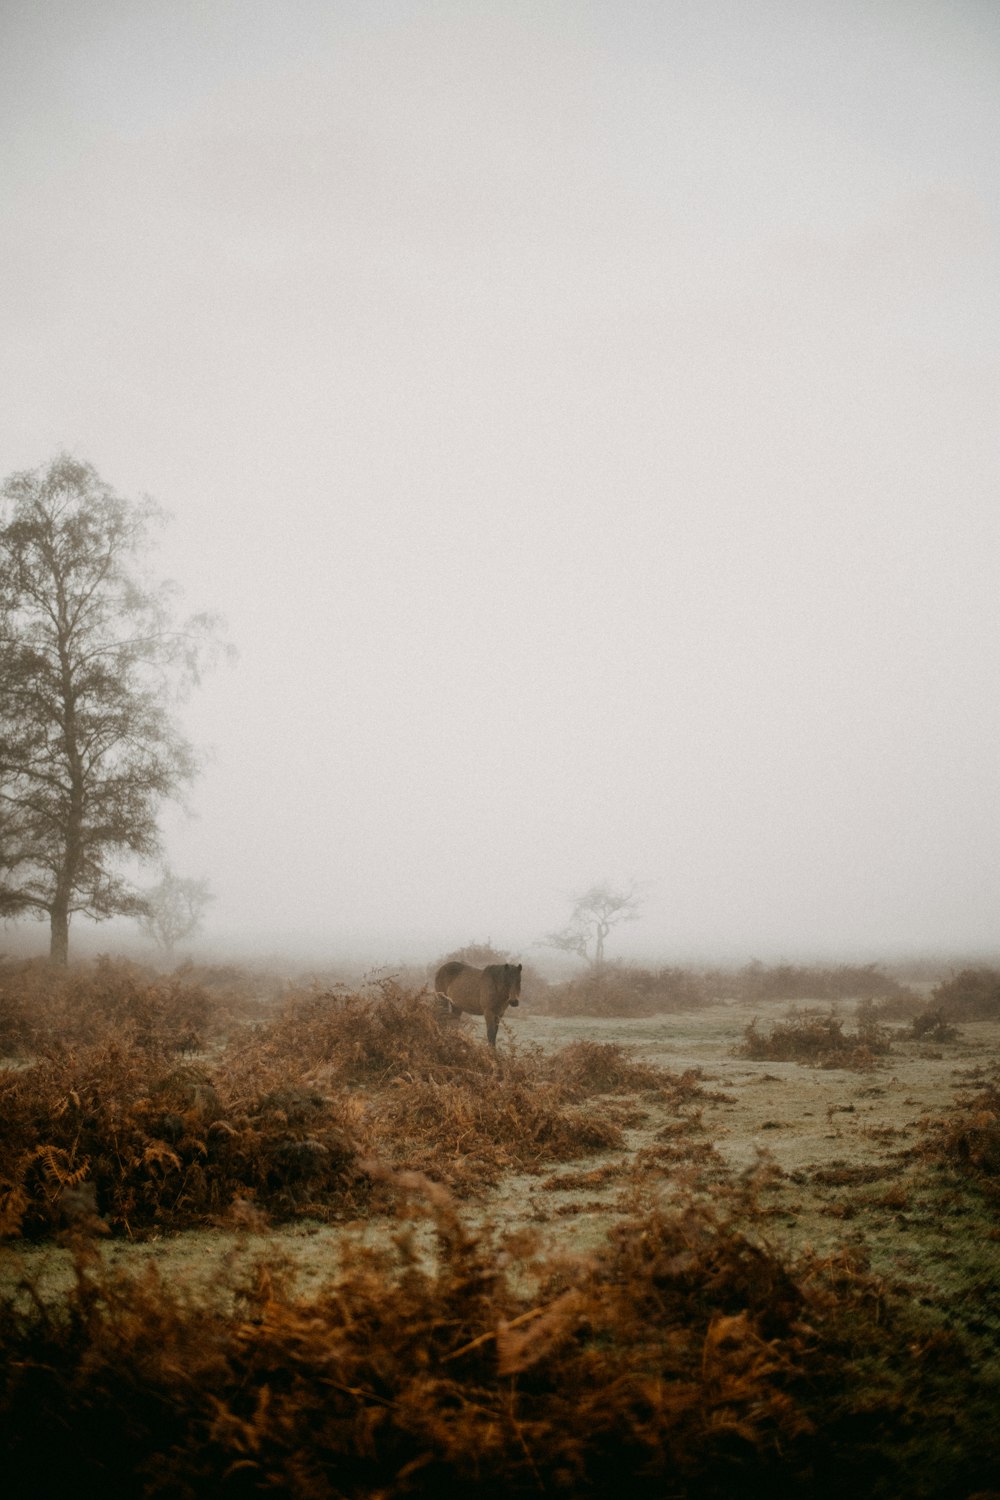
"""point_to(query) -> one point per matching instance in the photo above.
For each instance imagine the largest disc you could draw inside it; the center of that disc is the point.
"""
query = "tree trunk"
(603, 928)
(59, 941)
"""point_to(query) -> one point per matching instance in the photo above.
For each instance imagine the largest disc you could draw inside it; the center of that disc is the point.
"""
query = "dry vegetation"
(815, 1037)
(619, 990)
(683, 1356)
(968, 1138)
(972, 995)
(691, 1353)
(630, 990)
(288, 1115)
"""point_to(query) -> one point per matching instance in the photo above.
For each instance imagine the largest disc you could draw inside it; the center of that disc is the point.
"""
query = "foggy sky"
(584, 414)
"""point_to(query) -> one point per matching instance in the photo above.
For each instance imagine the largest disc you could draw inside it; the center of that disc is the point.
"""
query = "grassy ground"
(647, 1256)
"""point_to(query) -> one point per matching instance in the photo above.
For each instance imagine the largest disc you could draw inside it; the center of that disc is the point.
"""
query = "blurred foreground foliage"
(681, 1359)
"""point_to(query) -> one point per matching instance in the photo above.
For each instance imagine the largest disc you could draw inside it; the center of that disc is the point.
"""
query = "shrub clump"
(373, 1036)
(627, 991)
(584, 1068)
(41, 1005)
(144, 1143)
(816, 1038)
(968, 1138)
(761, 983)
(930, 1026)
(904, 1006)
(468, 1137)
(972, 995)
(528, 1113)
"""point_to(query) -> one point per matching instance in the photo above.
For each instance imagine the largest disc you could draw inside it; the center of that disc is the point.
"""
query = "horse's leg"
(492, 1022)
(456, 1010)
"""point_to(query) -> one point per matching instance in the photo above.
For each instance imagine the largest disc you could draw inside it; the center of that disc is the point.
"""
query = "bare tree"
(174, 910)
(91, 660)
(595, 913)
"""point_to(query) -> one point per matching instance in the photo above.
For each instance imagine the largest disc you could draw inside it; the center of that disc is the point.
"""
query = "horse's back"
(462, 985)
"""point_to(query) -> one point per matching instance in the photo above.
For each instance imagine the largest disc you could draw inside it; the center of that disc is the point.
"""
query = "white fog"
(584, 416)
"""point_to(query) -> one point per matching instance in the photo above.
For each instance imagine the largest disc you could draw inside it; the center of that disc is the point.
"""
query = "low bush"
(817, 1038)
(622, 990)
(972, 995)
(759, 982)
(629, 990)
(155, 1144)
(902, 1007)
(41, 1004)
(584, 1068)
(968, 1137)
(468, 1136)
(930, 1026)
(373, 1036)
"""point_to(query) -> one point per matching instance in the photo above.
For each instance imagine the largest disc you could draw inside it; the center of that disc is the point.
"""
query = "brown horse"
(481, 992)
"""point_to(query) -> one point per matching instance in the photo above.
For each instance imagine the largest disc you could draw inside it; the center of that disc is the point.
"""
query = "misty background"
(585, 416)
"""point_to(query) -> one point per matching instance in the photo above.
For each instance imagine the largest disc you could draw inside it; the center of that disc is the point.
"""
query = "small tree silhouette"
(595, 913)
(174, 910)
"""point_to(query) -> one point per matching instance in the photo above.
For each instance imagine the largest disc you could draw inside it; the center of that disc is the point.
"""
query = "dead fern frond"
(57, 1166)
(157, 1153)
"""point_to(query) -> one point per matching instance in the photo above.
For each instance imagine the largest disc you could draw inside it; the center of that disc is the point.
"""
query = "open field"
(619, 1247)
(824, 1137)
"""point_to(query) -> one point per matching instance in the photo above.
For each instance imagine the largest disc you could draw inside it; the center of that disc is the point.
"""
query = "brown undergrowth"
(967, 1139)
(817, 1038)
(288, 1116)
(625, 990)
(682, 1360)
(146, 1142)
(973, 994)
(586, 1068)
(41, 1003)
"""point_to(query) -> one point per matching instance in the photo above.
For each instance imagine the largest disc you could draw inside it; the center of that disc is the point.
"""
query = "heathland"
(700, 1235)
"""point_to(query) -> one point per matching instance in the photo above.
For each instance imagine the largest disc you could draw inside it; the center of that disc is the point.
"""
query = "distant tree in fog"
(595, 913)
(91, 660)
(174, 910)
